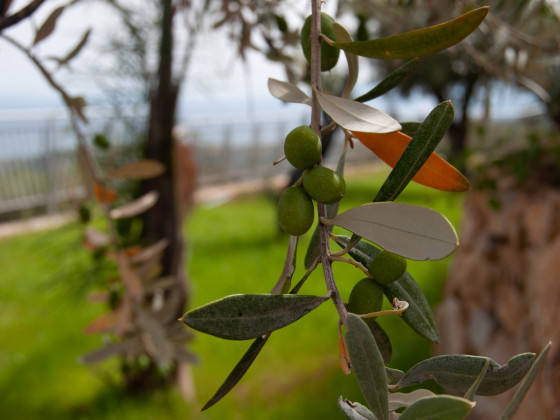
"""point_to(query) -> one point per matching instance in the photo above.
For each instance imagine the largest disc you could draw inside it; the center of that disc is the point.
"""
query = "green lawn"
(233, 248)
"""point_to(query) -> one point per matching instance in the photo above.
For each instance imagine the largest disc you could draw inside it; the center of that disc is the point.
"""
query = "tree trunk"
(502, 295)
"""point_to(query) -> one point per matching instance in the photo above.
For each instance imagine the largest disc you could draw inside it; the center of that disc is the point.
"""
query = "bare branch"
(20, 15)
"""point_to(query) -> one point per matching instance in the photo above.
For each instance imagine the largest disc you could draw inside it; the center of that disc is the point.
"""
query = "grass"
(233, 248)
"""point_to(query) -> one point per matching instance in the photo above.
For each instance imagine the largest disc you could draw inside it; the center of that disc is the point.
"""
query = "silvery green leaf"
(242, 317)
(440, 407)
(368, 366)
(287, 92)
(399, 399)
(393, 375)
(355, 411)
(342, 35)
(457, 372)
(414, 232)
(355, 116)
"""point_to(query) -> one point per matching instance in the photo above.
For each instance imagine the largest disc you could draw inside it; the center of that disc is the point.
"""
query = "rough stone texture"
(503, 292)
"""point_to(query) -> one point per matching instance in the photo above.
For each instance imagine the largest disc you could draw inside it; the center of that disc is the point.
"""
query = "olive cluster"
(367, 295)
(302, 149)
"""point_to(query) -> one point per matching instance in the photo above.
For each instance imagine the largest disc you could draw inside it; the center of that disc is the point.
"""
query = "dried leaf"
(104, 195)
(368, 366)
(355, 116)
(102, 323)
(343, 356)
(140, 169)
(419, 314)
(414, 232)
(287, 92)
(95, 239)
(440, 407)
(149, 253)
(435, 172)
(242, 317)
(391, 81)
(136, 207)
(342, 35)
(48, 26)
(129, 278)
(154, 339)
(355, 411)
(457, 372)
(420, 42)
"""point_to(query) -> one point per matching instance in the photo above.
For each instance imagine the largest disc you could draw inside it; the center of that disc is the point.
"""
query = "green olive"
(366, 297)
(302, 147)
(387, 267)
(329, 54)
(295, 211)
(324, 185)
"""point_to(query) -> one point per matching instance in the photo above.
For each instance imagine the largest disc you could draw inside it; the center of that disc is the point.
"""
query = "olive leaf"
(526, 384)
(354, 410)
(368, 366)
(414, 232)
(140, 169)
(419, 314)
(242, 317)
(48, 26)
(238, 371)
(135, 207)
(398, 399)
(393, 375)
(381, 338)
(355, 116)
(421, 146)
(342, 35)
(420, 42)
(457, 372)
(410, 127)
(440, 407)
(74, 51)
(391, 81)
(287, 92)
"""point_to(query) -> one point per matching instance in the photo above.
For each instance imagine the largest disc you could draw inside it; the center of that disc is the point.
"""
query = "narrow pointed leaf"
(420, 42)
(238, 371)
(136, 207)
(355, 411)
(342, 35)
(435, 172)
(287, 92)
(457, 372)
(414, 232)
(368, 366)
(48, 26)
(420, 148)
(419, 314)
(391, 81)
(471, 392)
(410, 127)
(355, 116)
(381, 338)
(441, 407)
(284, 282)
(242, 317)
(393, 375)
(399, 399)
(526, 384)
(76, 50)
(140, 169)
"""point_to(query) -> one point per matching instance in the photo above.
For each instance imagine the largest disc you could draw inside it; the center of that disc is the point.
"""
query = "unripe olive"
(387, 267)
(324, 185)
(101, 141)
(329, 54)
(302, 147)
(366, 297)
(295, 211)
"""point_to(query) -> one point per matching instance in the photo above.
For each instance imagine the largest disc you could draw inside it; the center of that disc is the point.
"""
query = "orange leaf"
(104, 195)
(103, 323)
(435, 173)
(343, 355)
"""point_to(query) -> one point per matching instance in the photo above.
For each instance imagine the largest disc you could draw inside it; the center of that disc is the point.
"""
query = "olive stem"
(356, 264)
(327, 39)
(316, 126)
(282, 159)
